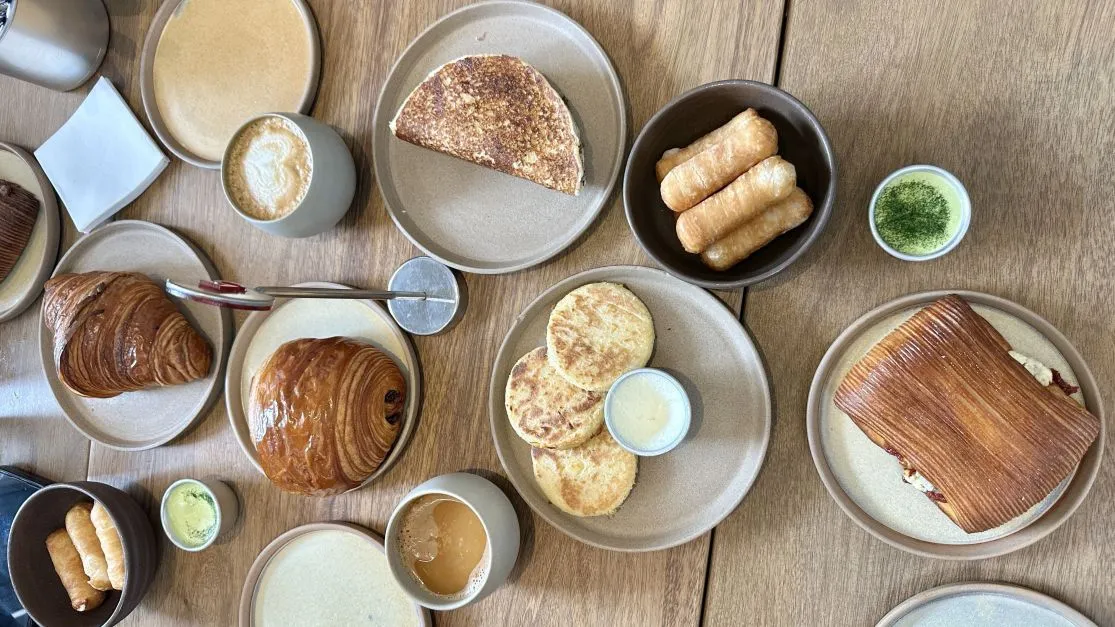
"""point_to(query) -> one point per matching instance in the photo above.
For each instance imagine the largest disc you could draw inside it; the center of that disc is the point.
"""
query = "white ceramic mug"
(332, 180)
(501, 525)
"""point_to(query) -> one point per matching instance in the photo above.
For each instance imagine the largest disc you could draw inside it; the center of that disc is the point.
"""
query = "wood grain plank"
(659, 51)
(1018, 104)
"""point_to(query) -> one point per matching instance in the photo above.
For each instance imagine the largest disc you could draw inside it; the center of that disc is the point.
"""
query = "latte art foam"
(269, 168)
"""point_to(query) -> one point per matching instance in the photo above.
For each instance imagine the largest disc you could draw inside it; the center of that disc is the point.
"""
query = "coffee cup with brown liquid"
(452, 541)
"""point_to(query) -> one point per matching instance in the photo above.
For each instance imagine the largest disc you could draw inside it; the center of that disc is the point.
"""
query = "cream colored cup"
(332, 180)
(495, 512)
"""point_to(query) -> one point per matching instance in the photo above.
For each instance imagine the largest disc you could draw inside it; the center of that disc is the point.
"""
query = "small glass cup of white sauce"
(647, 411)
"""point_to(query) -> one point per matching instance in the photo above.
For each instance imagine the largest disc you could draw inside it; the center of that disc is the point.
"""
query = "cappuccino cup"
(288, 174)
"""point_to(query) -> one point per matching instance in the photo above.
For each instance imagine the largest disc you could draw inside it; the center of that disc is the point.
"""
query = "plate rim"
(382, 172)
(1059, 512)
(222, 343)
(497, 417)
(259, 564)
(147, 87)
(53, 233)
(964, 588)
(234, 401)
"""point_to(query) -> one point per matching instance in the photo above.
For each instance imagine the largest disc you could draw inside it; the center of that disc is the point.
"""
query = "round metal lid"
(445, 303)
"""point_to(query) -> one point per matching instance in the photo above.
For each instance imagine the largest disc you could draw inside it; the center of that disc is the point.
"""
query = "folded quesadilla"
(499, 112)
(970, 423)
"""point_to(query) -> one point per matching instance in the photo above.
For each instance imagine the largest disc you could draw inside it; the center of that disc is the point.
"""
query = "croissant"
(18, 211)
(117, 332)
(324, 413)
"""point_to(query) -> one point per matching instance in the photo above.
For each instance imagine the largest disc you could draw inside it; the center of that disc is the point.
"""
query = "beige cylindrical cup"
(331, 187)
(501, 525)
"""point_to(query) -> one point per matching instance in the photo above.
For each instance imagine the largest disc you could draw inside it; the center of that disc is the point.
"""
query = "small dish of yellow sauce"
(192, 513)
(647, 411)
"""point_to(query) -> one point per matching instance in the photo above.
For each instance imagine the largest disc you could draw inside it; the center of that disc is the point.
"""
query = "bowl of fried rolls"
(729, 183)
(81, 554)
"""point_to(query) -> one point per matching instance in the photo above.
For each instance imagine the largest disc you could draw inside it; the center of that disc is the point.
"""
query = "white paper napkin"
(101, 159)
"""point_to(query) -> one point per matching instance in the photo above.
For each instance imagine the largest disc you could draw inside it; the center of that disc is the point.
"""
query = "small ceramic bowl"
(801, 141)
(965, 211)
(678, 425)
(224, 500)
(36, 584)
(332, 180)
(501, 525)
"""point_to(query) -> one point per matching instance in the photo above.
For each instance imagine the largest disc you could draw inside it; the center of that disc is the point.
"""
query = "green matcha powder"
(913, 217)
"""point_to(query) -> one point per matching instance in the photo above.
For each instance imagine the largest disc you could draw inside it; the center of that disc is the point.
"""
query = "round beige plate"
(983, 605)
(147, 82)
(866, 481)
(248, 595)
(688, 491)
(144, 419)
(476, 219)
(264, 331)
(24, 283)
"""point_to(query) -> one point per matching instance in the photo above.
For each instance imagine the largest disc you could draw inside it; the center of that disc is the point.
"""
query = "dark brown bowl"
(801, 141)
(33, 577)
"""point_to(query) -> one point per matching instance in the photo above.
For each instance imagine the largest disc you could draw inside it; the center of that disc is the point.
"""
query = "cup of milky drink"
(195, 512)
(452, 541)
(919, 212)
(288, 174)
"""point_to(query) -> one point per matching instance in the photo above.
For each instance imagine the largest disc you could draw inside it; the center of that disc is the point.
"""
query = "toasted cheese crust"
(546, 410)
(593, 479)
(499, 112)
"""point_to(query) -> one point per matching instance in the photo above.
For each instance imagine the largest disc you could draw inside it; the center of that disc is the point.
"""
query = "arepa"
(593, 479)
(499, 112)
(596, 333)
(546, 410)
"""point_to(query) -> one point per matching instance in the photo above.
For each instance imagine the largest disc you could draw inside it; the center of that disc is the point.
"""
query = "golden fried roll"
(67, 563)
(759, 231)
(110, 544)
(714, 167)
(674, 157)
(84, 536)
(771, 180)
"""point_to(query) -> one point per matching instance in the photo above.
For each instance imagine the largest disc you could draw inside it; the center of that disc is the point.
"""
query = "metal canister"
(58, 44)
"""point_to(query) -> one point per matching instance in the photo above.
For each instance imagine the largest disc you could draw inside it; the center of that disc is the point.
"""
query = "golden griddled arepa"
(593, 479)
(596, 333)
(499, 112)
(546, 410)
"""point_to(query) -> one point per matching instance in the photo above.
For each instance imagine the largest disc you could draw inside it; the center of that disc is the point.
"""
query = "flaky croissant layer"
(117, 332)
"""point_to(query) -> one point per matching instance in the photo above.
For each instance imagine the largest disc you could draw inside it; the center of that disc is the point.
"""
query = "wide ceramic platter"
(264, 331)
(688, 491)
(476, 219)
(146, 418)
(286, 543)
(983, 605)
(866, 481)
(22, 285)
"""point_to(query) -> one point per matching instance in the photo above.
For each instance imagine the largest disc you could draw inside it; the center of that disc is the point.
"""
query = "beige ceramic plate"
(265, 331)
(866, 481)
(148, 418)
(147, 83)
(983, 605)
(480, 220)
(24, 283)
(688, 491)
(248, 595)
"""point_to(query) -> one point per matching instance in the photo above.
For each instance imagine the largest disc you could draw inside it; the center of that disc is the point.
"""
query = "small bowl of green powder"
(920, 212)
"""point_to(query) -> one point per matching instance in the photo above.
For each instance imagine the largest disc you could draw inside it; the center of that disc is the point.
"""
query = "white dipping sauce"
(329, 578)
(647, 411)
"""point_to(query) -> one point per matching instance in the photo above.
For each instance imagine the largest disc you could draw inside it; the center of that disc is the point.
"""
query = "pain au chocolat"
(942, 393)
(324, 413)
(19, 209)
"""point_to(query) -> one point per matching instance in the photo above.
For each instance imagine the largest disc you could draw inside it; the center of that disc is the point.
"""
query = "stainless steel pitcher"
(58, 44)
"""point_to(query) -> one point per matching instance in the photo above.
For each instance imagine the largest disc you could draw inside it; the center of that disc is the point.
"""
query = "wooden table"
(1017, 103)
